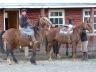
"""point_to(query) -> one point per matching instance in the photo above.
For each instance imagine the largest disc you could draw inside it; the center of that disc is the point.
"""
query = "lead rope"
(40, 35)
(77, 34)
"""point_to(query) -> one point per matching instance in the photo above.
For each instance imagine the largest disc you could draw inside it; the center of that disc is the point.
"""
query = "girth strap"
(69, 40)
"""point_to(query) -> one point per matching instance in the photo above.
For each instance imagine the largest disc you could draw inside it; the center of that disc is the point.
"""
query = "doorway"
(11, 19)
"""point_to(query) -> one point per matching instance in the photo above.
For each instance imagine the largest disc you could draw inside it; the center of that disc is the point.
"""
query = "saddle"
(24, 35)
(66, 32)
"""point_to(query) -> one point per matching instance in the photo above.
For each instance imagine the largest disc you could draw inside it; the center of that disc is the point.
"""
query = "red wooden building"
(60, 13)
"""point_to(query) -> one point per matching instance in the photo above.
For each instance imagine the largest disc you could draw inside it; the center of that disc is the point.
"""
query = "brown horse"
(13, 39)
(75, 37)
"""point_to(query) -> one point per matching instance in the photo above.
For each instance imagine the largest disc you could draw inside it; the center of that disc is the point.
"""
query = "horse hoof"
(53, 55)
(10, 63)
(50, 59)
(17, 62)
(58, 56)
(34, 63)
(84, 59)
(5, 59)
(74, 59)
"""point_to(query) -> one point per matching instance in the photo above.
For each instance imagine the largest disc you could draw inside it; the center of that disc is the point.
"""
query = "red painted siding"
(33, 14)
(74, 13)
(1, 20)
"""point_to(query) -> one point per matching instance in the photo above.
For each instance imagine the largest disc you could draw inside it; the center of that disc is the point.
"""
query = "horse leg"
(57, 50)
(8, 57)
(33, 58)
(74, 50)
(15, 60)
(54, 51)
(48, 51)
(67, 50)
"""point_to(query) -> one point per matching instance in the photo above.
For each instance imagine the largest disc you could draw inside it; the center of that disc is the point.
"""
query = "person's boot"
(86, 56)
(83, 56)
(34, 40)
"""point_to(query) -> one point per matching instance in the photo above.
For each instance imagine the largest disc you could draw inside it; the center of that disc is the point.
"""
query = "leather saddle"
(65, 31)
(24, 35)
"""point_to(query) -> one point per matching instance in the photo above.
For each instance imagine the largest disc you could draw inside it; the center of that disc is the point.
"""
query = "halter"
(45, 20)
(86, 25)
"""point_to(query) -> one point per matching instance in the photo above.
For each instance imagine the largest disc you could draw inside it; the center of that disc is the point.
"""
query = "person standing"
(84, 43)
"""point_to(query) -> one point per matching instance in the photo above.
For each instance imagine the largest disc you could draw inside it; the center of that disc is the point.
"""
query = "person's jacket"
(23, 21)
(84, 36)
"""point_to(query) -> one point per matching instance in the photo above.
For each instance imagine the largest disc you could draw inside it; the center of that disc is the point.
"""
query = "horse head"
(87, 26)
(45, 21)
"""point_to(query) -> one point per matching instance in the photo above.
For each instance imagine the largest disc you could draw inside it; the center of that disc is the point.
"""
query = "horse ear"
(44, 15)
(87, 21)
(40, 16)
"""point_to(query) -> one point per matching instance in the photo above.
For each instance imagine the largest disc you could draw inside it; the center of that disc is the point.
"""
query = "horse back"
(9, 35)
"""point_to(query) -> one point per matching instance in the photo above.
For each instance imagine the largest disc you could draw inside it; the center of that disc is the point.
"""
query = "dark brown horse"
(13, 39)
(75, 37)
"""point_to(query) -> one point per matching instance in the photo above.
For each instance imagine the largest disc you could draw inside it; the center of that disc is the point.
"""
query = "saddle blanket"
(65, 32)
(23, 34)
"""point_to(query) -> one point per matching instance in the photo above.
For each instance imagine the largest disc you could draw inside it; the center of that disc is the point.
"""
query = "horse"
(74, 38)
(13, 39)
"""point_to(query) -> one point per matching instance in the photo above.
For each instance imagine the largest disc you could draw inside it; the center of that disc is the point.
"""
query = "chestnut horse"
(13, 39)
(75, 37)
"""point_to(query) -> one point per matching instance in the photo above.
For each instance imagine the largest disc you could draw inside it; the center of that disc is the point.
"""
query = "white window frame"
(57, 10)
(88, 16)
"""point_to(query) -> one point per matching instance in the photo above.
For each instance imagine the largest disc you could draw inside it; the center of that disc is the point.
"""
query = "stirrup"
(69, 40)
(35, 42)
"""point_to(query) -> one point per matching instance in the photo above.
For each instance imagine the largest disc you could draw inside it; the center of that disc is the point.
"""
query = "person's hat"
(23, 10)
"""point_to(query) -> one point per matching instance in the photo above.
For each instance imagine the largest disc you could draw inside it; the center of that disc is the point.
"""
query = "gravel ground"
(65, 64)
(52, 66)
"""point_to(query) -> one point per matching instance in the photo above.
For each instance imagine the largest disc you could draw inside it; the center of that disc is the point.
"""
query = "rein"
(41, 27)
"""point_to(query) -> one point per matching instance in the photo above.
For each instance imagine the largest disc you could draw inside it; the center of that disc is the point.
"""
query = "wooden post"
(42, 46)
(92, 17)
(26, 50)
(92, 21)
(42, 12)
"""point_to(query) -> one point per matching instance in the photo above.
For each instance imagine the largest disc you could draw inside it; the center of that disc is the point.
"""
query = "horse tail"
(46, 43)
(1, 42)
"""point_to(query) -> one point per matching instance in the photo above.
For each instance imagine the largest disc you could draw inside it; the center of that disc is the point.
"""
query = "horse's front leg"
(48, 50)
(74, 50)
(33, 58)
(67, 50)
(8, 57)
(57, 50)
(11, 51)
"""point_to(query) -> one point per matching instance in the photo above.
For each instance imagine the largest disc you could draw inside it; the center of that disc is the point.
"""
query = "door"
(13, 17)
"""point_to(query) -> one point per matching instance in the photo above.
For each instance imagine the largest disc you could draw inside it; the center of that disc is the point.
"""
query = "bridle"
(85, 26)
(45, 21)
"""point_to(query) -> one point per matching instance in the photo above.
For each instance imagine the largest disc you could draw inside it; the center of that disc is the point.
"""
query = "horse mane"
(37, 24)
(78, 27)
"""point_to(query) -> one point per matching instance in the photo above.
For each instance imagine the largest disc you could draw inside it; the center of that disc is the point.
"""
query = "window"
(86, 15)
(57, 16)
